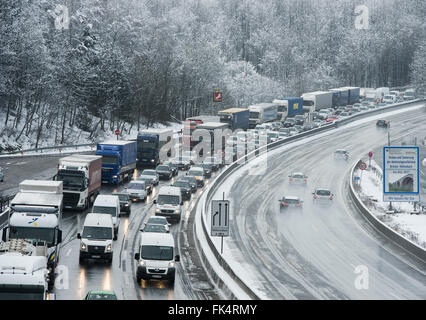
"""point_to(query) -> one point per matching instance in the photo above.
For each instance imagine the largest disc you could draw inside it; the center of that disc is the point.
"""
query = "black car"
(173, 167)
(164, 171)
(299, 120)
(212, 162)
(192, 181)
(289, 122)
(382, 123)
(125, 202)
(185, 188)
(182, 163)
(207, 169)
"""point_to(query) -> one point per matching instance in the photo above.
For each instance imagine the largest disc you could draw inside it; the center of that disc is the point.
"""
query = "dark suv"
(382, 123)
(125, 202)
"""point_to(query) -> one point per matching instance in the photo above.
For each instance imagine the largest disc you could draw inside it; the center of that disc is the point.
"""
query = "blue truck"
(150, 142)
(289, 107)
(353, 94)
(236, 118)
(118, 160)
(340, 97)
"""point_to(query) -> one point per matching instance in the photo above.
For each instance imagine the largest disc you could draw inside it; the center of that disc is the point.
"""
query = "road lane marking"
(68, 252)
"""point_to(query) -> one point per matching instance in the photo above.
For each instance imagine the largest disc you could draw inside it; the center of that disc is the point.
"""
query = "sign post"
(362, 166)
(217, 95)
(370, 155)
(117, 133)
(401, 179)
(220, 220)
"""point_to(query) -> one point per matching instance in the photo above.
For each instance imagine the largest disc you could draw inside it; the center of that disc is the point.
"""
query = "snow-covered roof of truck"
(85, 158)
(117, 142)
(156, 131)
(41, 186)
(16, 263)
(27, 219)
(37, 199)
(233, 110)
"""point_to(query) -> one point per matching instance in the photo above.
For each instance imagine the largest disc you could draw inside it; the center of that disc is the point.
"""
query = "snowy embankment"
(404, 220)
(16, 138)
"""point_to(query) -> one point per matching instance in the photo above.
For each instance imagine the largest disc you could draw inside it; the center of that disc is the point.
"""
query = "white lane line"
(68, 252)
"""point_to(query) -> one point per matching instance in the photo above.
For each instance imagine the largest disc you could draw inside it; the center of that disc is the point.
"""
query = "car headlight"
(108, 248)
(142, 263)
(83, 247)
(152, 160)
(115, 177)
(126, 205)
(171, 264)
(177, 211)
(157, 211)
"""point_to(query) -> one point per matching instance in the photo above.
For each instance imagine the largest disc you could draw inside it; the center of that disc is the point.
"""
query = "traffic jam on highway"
(117, 223)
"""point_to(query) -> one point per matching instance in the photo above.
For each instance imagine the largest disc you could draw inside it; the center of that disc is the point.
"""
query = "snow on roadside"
(411, 226)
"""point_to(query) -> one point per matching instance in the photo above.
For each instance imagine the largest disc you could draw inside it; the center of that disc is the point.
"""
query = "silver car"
(152, 174)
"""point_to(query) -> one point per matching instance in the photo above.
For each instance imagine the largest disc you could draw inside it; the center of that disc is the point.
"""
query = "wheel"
(172, 281)
(109, 261)
(81, 260)
(138, 279)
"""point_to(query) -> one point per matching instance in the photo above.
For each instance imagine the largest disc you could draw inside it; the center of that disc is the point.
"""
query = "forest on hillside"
(145, 61)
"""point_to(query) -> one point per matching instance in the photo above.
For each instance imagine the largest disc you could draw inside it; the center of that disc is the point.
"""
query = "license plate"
(156, 276)
(96, 257)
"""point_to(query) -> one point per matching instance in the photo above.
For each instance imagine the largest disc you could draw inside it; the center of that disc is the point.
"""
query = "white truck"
(34, 221)
(261, 113)
(317, 100)
(81, 175)
(22, 277)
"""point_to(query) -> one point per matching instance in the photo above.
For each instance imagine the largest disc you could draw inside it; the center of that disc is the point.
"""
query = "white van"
(155, 257)
(169, 203)
(97, 237)
(108, 204)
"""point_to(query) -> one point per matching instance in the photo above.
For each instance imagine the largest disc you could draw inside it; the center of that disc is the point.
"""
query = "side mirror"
(59, 236)
(78, 236)
(125, 188)
(54, 177)
(181, 203)
(137, 256)
(114, 238)
(4, 234)
(141, 230)
(177, 258)
(155, 201)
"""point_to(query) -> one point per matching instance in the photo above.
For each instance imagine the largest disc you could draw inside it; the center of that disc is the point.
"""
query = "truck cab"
(96, 240)
(23, 277)
(156, 257)
(150, 142)
(169, 203)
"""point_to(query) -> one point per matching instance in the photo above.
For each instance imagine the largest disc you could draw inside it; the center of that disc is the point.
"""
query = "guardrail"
(240, 162)
(408, 245)
(60, 148)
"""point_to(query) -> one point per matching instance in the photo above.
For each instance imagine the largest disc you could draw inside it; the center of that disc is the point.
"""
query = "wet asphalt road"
(315, 252)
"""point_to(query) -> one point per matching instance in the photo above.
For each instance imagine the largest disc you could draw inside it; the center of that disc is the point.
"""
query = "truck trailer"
(236, 118)
(340, 97)
(34, 222)
(118, 160)
(288, 107)
(261, 113)
(81, 175)
(214, 129)
(150, 142)
(354, 93)
(317, 100)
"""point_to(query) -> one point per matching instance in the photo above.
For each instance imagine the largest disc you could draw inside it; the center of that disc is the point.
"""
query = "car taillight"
(298, 205)
(315, 196)
(291, 179)
(304, 180)
(331, 197)
(283, 203)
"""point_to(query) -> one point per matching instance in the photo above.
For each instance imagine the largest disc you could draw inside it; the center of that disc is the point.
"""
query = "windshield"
(137, 186)
(21, 292)
(122, 197)
(149, 173)
(109, 210)
(298, 175)
(111, 160)
(323, 192)
(157, 253)
(195, 173)
(155, 228)
(157, 220)
(290, 200)
(308, 103)
(181, 184)
(290, 120)
(101, 296)
(100, 233)
(168, 199)
(70, 180)
(254, 115)
(146, 144)
(146, 180)
(32, 233)
(163, 168)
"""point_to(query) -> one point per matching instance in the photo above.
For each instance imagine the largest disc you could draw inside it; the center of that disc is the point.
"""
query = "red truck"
(81, 175)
